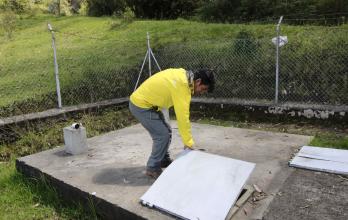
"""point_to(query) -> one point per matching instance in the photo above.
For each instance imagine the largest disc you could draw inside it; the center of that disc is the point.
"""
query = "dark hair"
(206, 76)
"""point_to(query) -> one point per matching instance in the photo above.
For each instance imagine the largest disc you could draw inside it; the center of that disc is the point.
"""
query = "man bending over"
(171, 87)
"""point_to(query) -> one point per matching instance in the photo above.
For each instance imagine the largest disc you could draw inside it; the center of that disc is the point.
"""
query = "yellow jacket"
(165, 89)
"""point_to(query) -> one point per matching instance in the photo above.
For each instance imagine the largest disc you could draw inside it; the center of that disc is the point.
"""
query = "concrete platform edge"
(103, 208)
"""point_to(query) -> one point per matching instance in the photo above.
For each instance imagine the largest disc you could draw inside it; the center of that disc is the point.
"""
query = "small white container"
(75, 139)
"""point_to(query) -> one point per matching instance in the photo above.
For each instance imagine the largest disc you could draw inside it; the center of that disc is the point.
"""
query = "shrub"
(105, 7)
(17, 6)
(8, 23)
(128, 16)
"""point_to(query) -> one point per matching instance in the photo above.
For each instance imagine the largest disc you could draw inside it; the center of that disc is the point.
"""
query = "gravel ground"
(311, 195)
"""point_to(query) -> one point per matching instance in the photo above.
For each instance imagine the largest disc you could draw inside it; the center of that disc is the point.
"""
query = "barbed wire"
(309, 19)
(310, 14)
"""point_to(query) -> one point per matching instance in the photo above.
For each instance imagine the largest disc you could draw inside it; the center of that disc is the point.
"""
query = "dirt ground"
(311, 195)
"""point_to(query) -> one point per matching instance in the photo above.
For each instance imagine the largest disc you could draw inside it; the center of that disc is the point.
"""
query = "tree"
(105, 7)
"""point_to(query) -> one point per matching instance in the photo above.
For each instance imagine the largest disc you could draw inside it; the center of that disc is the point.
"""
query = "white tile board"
(199, 185)
(322, 159)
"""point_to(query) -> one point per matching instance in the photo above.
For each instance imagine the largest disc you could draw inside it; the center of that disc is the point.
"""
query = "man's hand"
(185, 151)
(188, 148)
(194, 147)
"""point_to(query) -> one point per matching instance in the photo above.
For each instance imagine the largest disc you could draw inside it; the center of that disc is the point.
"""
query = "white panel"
(199, 185)
(322, 159)
(324, 153)
(320, 165)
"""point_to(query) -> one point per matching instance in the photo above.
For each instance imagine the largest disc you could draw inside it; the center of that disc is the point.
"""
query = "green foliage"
(8, 23)
(227, 10)
(248, 10)
(83, 7)
(105, 7)
(128, 15)
(18, 6)
(330, 140)
(218, 10)
(163, 9)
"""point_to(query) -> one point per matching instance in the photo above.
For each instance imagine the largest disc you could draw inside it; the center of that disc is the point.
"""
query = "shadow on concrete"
(62, 153)
(128, 176)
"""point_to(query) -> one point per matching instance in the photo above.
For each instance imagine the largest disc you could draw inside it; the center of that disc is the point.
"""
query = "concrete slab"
(111, 172)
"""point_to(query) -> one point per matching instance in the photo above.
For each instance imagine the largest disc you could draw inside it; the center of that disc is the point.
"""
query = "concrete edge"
(57, 112)
(267, 107)
(271, 104)
(288, 109)
(68, 193)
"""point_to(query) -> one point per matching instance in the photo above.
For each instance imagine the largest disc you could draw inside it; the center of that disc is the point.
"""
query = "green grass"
(23, 198)
(43, 135)
(331, 141)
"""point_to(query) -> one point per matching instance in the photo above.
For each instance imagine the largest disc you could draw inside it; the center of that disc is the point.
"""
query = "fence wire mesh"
(26, 85)
(312, 70)
(311, 73)
(315, 70)
(103, 72)
(244, 68)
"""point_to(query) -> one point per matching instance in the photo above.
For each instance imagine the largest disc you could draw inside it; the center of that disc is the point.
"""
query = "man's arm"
(181, 100)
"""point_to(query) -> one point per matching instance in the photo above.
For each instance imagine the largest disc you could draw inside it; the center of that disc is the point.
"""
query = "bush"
(125, 18)
(128, 16)
(105, 7)
(8, 23)
(18, 6)
(218, 11)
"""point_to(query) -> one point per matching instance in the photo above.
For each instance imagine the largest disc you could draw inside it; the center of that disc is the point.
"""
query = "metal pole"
(277, 61)
(154, 58)
(141, 70)
(148, 51)
(55, 66)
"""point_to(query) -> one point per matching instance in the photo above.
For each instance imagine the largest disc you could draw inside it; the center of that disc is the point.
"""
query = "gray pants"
(161, 133)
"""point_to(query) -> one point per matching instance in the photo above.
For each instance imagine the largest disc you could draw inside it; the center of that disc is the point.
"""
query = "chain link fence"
(27, 84)
(312, 73)
(102, 72)
(244, 68)
(313, 70)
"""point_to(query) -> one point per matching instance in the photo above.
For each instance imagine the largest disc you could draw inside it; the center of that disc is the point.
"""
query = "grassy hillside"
(104, 55)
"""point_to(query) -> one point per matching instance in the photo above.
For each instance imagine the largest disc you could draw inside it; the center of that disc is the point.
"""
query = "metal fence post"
(277, 61)
(149, 49)
(55, 66)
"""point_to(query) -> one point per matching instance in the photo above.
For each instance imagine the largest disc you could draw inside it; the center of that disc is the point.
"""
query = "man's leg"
(161, 135)
(166, 160)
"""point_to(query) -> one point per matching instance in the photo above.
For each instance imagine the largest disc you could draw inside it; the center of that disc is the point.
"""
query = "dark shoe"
(153, 173)
(166, 161)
